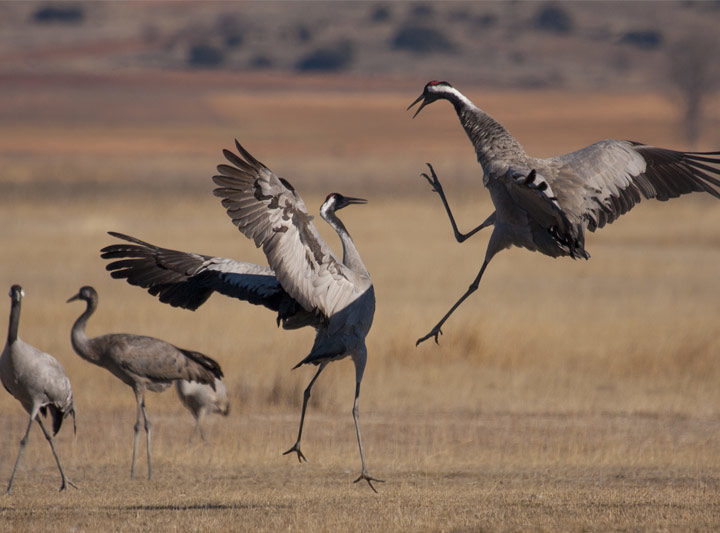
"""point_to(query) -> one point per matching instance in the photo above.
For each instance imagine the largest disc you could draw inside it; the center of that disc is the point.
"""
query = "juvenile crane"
(201, 399)
(143, 363)
(306, 284)
(545, 205)
(38, 381)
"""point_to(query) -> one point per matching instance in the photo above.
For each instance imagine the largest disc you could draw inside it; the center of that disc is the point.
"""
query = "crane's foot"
(296, 449)
(65, 483)
(433, 181)
(364, 475)
(435, 333)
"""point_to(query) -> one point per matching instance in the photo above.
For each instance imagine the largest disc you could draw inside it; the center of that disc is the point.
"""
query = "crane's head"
(336, 201)
(16, 293)
(86, 293)
(434, 90)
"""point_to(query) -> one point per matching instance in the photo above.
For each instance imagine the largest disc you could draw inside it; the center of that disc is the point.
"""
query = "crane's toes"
(435, 333)
(369, 479)
(296, 449)
(434, 183)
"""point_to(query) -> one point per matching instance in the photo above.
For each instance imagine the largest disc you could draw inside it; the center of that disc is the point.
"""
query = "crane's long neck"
(80, 341)
(14, 322)
(491, 140)
(351, 256)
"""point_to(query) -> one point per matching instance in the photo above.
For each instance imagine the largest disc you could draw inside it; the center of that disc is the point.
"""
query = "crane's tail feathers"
(210, 366)
(56, 414)
(319, 358)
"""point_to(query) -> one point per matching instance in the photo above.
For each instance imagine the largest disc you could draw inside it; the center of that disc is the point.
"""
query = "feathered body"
(545, 205)
(36, 379)
(202, 399)
(141, 362)
(304, 282)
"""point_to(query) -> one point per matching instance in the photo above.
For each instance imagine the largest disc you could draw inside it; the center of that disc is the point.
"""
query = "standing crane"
(143, 363)
(38, 381)
(545, 204)
(201, 399)
(306, 284)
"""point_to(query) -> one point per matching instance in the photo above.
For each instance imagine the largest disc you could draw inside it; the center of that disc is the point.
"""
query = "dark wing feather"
(187, 280)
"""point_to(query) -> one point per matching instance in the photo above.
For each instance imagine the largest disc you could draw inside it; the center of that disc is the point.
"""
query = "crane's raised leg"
(65, 480)
(437, 187)
(498, 241)
(23, 442)
(364, 474)
(306, 396)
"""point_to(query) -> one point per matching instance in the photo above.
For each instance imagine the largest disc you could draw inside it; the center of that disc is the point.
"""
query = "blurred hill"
(559, 45)
(139, 96)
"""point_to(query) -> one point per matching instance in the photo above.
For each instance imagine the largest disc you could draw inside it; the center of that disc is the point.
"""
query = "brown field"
(564, 395)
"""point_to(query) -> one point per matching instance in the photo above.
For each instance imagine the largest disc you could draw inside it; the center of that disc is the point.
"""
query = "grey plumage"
(201, 399)
(545, 205)
(306, 283)
(141, 362)
(38, 381)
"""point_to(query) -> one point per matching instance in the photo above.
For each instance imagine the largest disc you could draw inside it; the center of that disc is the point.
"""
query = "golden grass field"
(564, 395)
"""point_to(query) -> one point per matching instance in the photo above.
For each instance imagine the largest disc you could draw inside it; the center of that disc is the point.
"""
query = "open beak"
(425, 102)
(350, 200)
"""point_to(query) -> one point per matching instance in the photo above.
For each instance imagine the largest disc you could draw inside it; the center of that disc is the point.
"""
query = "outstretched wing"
(187, 280)
(606, 179)
(268, 210)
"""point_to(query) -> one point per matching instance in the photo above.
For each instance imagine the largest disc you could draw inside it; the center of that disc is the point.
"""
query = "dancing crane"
(545, 204)
(305, 283)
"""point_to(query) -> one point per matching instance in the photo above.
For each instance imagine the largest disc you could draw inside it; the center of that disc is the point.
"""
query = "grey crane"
(38, 381)
(306, 283)
(143, 363)
(201, 399)
(545, 204)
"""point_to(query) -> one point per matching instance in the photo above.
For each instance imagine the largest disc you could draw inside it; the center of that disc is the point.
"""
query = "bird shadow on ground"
(195, 507)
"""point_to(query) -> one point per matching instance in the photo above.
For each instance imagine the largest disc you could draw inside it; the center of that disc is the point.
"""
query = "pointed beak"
(350, 200)
(425, 102)
(72, 299)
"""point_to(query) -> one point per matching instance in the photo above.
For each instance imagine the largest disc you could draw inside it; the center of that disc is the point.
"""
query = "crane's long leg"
(306, 396)
(65, 480)
(136, 428)
(364, 474)
(437, 187)
(199, 427)
(436, 331)
(23, 442)
(147, 437)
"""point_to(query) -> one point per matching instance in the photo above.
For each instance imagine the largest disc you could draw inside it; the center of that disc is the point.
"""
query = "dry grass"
(564, 395)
